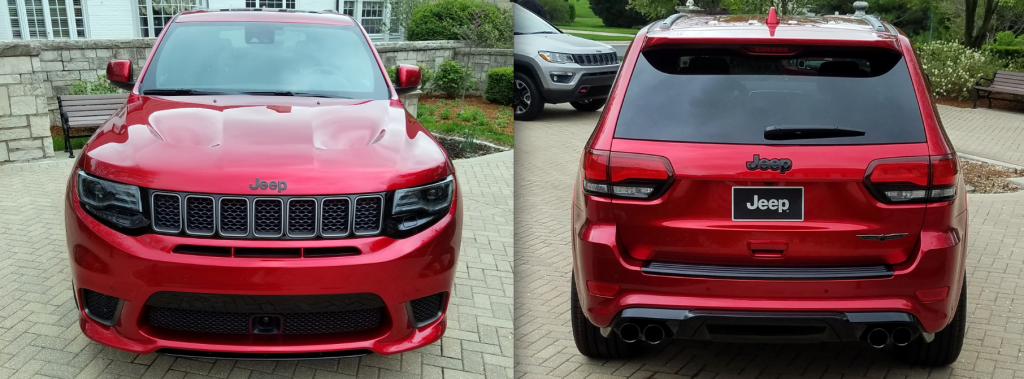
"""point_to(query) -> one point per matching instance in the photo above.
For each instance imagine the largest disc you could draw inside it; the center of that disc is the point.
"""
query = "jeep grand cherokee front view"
(263, 194)
(779, 179)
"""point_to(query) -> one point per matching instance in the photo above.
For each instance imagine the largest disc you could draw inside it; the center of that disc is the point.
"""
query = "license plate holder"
(767, 203)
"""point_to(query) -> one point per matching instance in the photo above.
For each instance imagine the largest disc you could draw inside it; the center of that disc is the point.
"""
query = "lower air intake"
(426, 309)
(100, 307)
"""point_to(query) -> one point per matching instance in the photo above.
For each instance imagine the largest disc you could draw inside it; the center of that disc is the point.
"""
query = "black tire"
(589, 340)
(528, 101)
(945, 348)
(588, 105)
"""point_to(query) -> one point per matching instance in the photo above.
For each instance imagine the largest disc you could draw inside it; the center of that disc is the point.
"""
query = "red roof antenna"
(773, 19)
(772, 22)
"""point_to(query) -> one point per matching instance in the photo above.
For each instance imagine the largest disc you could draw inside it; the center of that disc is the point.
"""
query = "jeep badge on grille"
(271, 185)
(764, 164)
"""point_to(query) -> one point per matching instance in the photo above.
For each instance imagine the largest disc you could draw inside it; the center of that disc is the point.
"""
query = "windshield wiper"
(541, 32)
(180, 92)
(792, 132)
(292, 93)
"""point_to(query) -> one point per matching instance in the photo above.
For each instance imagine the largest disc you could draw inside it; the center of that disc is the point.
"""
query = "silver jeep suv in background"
(554, 67)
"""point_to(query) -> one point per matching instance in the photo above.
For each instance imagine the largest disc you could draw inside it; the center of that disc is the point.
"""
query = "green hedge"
(454, 20)
(1008, 53)
(500, 88)
(452, 79)
(615, 13)
(559, 12)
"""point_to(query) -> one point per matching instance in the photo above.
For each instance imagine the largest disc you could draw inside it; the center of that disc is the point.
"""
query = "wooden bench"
(1002, 82)
(86, 111)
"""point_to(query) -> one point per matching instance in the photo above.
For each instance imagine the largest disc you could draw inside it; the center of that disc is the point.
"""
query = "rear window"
(729, 96)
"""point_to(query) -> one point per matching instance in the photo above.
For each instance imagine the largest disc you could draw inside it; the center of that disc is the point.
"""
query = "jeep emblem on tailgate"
(764, 164)
(272, 185)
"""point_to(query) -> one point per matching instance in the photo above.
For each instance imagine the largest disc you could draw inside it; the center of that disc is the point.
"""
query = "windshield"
(528, 23)
(821, 97)
(265, 58)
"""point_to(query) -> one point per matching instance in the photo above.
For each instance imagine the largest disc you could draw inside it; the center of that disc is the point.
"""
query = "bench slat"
(91, 102)
(92, 97)
(1009, 73)
(1002, 90)
(85, 123)
(1009, 82)
(80, 113)
(96, 107)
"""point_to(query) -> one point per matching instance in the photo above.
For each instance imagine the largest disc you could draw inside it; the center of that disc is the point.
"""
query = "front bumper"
(135, 268)
(938, 263)
(588, 82)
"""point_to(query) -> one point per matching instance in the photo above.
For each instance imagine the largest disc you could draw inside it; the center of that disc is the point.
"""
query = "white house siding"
(316, 5)
(111, 18)
(227, 4)
(5, 23)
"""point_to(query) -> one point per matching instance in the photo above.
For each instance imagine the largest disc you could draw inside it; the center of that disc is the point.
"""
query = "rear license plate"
(767, 203)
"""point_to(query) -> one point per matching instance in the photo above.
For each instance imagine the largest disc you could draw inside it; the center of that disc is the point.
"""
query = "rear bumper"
(938, 263)
(765, 327)
(133, 269)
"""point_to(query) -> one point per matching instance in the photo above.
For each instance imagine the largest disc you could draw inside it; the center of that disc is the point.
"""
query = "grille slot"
(281, 217)
(100, 307)
(234, 216)
(166, 212)
(603, 59)
(334, 217)
(426, 309)
(268, 217)
(367, 215)
(283, 252)
(216, 251)
(301, 217)
(312, 252)
(200, 215)
(232, 314)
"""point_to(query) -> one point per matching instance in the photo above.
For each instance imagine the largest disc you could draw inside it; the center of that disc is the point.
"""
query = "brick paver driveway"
(546, 162)
(39, 333)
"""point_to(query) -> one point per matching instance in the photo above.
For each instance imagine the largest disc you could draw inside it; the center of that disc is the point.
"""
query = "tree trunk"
(975, 37)
(970, 11)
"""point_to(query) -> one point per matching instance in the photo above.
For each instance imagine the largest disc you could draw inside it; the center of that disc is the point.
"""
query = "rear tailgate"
(743, 196)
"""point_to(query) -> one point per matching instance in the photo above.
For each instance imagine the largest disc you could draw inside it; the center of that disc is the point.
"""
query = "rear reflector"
(913, 179)
(934, 294)
(602, 289)
(625, 175)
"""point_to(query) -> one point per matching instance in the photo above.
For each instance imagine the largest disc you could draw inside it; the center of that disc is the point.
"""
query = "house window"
(46, 19)
(155, 14)
(373, 17)
(270, 4)
(349, 8)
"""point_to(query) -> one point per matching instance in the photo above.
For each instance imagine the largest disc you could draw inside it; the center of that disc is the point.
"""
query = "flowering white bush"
(953, 68)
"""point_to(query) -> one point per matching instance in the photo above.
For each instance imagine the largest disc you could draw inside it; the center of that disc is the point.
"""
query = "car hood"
(225, 144)
(561, 43)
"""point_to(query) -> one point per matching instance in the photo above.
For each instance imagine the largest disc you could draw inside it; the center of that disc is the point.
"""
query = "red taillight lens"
(625, 175)
(913, 179)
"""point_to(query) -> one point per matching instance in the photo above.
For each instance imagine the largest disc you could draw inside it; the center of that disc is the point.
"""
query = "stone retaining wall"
(34, 73)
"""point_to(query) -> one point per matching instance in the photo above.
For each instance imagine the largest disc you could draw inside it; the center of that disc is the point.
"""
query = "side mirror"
(119, 73)
(408, 78)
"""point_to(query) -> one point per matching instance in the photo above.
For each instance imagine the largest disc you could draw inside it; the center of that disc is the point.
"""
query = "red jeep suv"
(263, 194)
(779, 179)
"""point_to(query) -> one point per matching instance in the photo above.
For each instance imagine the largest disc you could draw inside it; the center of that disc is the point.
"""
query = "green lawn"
(598, 37)
(587, 21)
(77, 143)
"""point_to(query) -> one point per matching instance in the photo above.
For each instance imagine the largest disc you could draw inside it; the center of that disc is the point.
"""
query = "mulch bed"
(460, 149)
(489, 109)
(988, 178)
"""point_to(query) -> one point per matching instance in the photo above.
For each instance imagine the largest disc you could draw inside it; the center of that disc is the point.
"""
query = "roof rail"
(667, 24)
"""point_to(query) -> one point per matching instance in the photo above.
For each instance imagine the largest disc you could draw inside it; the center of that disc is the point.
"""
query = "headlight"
(556, 57)
(120, 204)
(415, 209)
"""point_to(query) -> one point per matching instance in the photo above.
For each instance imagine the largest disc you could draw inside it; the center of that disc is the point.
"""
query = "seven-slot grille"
(267, 217)
(603, 59)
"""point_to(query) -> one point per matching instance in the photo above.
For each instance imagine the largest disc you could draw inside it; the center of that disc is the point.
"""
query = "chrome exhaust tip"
(878, 338)
(629, 332)
(902, 336)
(654, 334)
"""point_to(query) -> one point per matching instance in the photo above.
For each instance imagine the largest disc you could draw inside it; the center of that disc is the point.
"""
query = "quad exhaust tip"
(878, 338)
(629, 332)
(901, 336)
(654, 334)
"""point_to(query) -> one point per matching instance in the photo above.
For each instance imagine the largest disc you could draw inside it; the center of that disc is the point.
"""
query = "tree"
(974, 37)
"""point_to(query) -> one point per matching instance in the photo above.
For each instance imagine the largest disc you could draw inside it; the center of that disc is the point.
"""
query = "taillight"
(913, 179)
(625, 175)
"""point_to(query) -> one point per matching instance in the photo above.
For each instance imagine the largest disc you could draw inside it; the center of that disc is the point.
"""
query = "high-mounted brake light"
(625, 175)
(913, 179)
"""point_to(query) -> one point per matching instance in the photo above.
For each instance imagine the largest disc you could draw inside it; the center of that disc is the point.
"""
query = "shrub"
(616, 14)
(447, 20)
(100, 86)
(559, 12)
(496, 33)
(500, 85)
(1008, 39)
(1006, 53)
(953, 68)
(452, 79)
